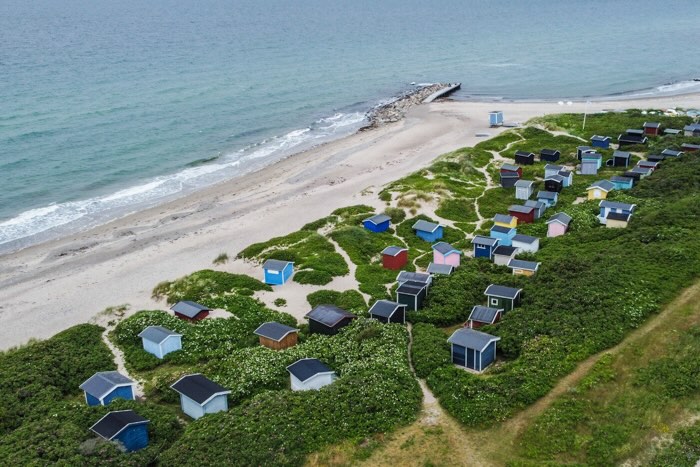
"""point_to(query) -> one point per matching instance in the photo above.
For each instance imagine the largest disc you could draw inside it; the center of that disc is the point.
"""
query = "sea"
(107, 107)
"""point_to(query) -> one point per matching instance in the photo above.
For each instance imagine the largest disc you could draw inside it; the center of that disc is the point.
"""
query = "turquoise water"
(108, 107)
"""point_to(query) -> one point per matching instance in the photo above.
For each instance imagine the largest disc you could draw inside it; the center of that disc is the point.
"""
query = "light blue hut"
(105, 386)
(496, 118)
(378, 223)
(277, 272)
(428, 231)
(548, 197)
(200, 396)
(160, 341)
(472, 349)
(123, 426)
(504, 235)
(587, 157)
(622, 183)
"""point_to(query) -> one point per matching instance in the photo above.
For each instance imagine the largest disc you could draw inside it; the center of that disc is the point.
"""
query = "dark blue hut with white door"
(277, 272)
(598, 141)
(472, 349)
(378, 223)
(105, 386)
(125, 427)
(550, 155)
(412, 294)
(484, 246)
(386, 311)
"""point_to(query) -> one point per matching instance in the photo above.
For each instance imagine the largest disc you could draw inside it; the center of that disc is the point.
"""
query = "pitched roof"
(641, 170)
(425, 226)
(198, 388)
(547, 195)
(472, 339)
(393, 250)
(561, 218)
(501, 229)
(481, 240)
(503, 250)
(115, 422)
(533, 203)
(411, 288)
(444, 269)
(651, 164)
(276, 265)
(445, 248)
(550, 167)
(273, 330)
(550, 152)
(638, 139)
(618, 216)
(564, 173)
(584, 148)
(385, 308)
(616, 205)
(622, 154)
(591, 156)
(692, 127)
(102, 383)
(618, 178)
(525, 239)
(510, 167)
(634, 132)
(522, 209)
(484, 314)
(501, 291)
(524, 184)
(157, 334)
(605, 185)
(651, 125)
(406, 276)
(671, 152)
(307, 368)
(378, 219)
(600, 138)
(328, 315)
(504, 218)
(524, 153)
(557, 178)
(188, 308)
(522, 264)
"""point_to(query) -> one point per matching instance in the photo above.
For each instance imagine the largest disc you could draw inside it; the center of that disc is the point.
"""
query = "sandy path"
(121, 366)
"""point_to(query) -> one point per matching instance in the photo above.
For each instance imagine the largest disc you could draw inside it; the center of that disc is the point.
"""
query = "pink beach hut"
(444, 253)
(558, 224)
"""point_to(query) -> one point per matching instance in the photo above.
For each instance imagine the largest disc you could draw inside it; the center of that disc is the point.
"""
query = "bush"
(221, 259)
(205, 283)
(280, 302)
(430, 349)
(313, 277)
(397, 215)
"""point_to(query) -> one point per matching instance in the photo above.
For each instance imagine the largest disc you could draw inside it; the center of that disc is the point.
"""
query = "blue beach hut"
(484, 246)
(378, 223)
(600, 141)
(428, 231)
(200, 395)
(622, 183)
(504, 235)
(160, 341)
(496, 118)
(105, 386)
(548, 197)
(277, 272)
(125, 427)
(472, 349)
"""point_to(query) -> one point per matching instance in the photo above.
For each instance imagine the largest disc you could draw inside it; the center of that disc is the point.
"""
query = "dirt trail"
(119, 360)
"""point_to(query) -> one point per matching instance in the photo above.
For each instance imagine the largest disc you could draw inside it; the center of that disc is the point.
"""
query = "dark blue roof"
(618, 216)
(198, 388)
(549, 152)
(189, 309)
(328, 315)
(501, 291)
(501, 229)
(481, 240)
(524, 239)
(378, 219)
(114, 423)
(102, 383)
(472, 339)
(273, 330)
(504, 250)
(547, 195)
(522, 264)
(385, 308)
(407, 276)
(307, 368)
(484, 314)
(444, 269)
(411, 288)
(445, 248)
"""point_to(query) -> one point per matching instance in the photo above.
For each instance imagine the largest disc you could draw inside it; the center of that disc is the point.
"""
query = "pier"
(442, 93)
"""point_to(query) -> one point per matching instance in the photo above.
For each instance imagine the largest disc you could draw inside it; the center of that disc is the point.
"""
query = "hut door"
(471, 360)
(458, 355)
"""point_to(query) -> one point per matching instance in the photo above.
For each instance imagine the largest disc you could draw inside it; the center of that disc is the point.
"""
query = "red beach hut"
(394, 257)
(525, 214)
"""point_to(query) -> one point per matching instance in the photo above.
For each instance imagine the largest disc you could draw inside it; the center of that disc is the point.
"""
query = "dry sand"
(50, 287)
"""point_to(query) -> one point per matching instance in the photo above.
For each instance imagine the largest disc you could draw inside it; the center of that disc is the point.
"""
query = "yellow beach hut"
(600, 189)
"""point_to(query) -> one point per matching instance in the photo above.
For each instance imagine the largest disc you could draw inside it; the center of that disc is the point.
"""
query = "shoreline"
(51, 286)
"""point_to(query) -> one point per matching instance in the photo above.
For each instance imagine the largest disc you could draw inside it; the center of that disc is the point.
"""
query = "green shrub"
(397, 215)
(221, 259)
(202, 284)
(280, 302)
(430, 349)
(313, 277)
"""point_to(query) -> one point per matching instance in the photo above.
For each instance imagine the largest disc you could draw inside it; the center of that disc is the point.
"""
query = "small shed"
(642, 171)
(539, 207)
(614, 207)
(310, 373)
(277, 336)
(394, 257)
(672, 132)
(408, 276)
(648, 165)
(621, 159)
(524, 214)
(484, 246)
(495, 118)
(631, 140)
(505, 298)
(328, 319)
(200, 395)
(388, 312)
(581, 150)
(549, 155)
(504, 235)
(689, 147)
(600, 189)
(512, 170)
(482, 316)
(589, 167)
(652, 128)
(590, 157)
(598, 141)
(440, 269)
(526, 243)
(568, 177)
(505, 220)
(656, 157)
(160, 341)
(508, 180)
(125, 427)
(671, 153)
(277, 272)
(523, 268)
(105, 386)
(472, 349)
(622, 183)
(634, 132)
(377, 223)
(524, 157)
(524, 189)
(617, 221)
(552, 169)
(428, 231)
(558, 224)
(412, 294)
(503, 254)
(548, 197)
(444, 253)
(692, 130)
(190, 311)
(554, 183)
(633, 175)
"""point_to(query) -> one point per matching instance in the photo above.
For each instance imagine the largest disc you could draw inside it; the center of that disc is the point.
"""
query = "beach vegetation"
(397, 214)
(202, 284)
(350, 300)
(500, 142)
(222, 258)
(280, 302)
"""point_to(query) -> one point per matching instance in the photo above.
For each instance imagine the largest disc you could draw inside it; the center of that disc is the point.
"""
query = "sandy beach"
(52, 286)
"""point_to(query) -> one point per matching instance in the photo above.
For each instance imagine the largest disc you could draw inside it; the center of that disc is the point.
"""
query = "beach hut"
(200, 395)
(524, 157)
(613, 207)
(504, 235)
(549, 198)
(125, 427)
(276, 336)
(502, 254)
(472, 349)
(554, 183)
(378, 223)
(568, 177)
(631, 140)
(526, 243)
(328, 319)
(495, 118)
(482, 316)
(601, 141)
(523, 268)
(634, 132)
(672, 132)
(592, 157)
(505, 298)
(552, 169)
(505, 220)
(656, 157)
(440, 269)
(651, 128)
(190, 311)
(648, 165)
(688, 147)
(412, 295)
(633, 175)
(617, 221)
(484, 246)
(621, 159)
(444, 253)
(408, 276)
(508, 180)
(524, 214)
(277, 272)
(428, 231)
(310, 373)
(642, 171)
(692, 130)
(581, 150)
(388, 312)
(589, 167)
(160, 341)
(600, 189)
(105, 386)
(394, 257)
(512, 170)
(539, 207)
(549, 155)
(524, 189)
(622, 183)
(558, 224)
(671, 153)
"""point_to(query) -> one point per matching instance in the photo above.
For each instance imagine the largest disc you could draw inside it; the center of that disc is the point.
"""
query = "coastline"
(51, 286)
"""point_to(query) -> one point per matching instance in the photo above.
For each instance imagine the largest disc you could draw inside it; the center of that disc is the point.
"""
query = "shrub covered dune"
(594, 287)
